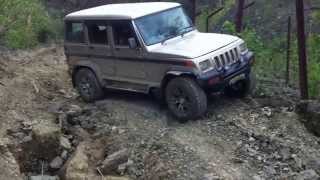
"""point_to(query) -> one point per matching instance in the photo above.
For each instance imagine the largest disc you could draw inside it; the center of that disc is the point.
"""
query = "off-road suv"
(154, 48)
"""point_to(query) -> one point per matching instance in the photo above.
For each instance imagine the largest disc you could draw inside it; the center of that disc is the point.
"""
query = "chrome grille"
(226, 58)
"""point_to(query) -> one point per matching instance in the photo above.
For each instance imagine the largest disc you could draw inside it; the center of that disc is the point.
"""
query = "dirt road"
(251, 138)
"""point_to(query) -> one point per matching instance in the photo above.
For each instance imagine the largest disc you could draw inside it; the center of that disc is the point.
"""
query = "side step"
(127, 86)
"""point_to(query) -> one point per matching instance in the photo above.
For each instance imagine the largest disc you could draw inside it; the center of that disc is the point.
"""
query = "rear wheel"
(88, 85)
(185, 98)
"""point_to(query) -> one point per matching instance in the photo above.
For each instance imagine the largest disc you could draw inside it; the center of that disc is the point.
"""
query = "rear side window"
(97, 31)
(75, 32)
(122, 31)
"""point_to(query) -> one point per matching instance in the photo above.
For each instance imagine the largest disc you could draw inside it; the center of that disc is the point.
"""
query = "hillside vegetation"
(24, 23)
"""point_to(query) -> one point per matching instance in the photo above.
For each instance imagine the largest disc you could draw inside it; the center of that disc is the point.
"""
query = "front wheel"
(185, 98)
(241, 88)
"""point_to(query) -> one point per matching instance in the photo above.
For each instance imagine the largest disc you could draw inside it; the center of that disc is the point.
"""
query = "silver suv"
(154, 48)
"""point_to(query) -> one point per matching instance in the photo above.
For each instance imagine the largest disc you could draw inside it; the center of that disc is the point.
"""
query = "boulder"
(46, 140)
(78, 166)
(44, 146)
(112, 162)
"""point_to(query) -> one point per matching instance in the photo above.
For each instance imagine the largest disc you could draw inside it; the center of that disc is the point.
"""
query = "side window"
(97, 31)
(75, 32)
(122, 31)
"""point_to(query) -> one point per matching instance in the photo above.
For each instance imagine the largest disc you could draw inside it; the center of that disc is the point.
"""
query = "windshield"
(159, 27)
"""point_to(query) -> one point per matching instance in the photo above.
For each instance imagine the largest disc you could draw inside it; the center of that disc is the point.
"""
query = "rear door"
(75, 40)
(99, 48)
(129, 63)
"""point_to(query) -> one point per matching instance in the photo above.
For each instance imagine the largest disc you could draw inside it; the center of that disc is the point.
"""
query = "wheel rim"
(180, 101)
(85, 87)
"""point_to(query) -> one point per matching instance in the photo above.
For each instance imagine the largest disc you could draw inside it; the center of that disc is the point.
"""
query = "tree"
(239, 15)
(302, 49)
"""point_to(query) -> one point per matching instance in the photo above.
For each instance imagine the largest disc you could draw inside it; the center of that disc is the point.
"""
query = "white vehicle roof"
(122, 11)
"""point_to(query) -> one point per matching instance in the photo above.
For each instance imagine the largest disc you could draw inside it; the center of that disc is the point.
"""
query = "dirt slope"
(253, 138)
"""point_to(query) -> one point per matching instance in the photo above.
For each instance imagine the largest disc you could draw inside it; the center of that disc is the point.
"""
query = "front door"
(129, 66)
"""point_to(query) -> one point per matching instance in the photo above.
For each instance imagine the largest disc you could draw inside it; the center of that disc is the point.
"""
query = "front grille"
(226, 58)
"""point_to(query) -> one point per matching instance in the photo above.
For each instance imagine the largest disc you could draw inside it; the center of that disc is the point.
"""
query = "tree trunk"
(239, 16)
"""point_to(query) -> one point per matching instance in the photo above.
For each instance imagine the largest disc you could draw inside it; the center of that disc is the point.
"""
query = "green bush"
(271, 57)
(314, 64)
(22, 22)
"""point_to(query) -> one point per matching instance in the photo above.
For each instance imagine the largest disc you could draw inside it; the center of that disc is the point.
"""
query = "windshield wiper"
(168, 37)
(181, 32)
(184, 30)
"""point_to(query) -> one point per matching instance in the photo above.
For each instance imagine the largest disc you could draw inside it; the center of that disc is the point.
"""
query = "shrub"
(22, 22)
(271, 57)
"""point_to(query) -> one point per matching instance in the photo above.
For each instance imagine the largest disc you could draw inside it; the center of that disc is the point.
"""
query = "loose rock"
(95, 177)
(210, 177)
(44, 177)
(56, 163)
(267, 111)
(64, 155)
(65, 143)
(307, 175)
(314, 164)
(111, 163)
(74, 110)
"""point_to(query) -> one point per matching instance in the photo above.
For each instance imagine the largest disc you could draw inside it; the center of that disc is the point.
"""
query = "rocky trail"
(48, 133)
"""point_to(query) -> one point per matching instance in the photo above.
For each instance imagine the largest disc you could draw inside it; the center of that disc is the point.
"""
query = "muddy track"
(247, 138)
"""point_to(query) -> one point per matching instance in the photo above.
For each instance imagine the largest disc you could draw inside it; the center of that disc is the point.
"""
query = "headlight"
(205, 65)
(243, 47)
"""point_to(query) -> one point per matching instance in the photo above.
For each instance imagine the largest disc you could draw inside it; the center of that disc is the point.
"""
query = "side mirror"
(132, 43)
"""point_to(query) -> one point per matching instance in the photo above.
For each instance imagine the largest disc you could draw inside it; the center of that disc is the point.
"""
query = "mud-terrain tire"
(186, 100)
(88, 85)
(241, 88)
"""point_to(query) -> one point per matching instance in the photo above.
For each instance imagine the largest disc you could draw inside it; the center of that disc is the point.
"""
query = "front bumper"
(217, 80)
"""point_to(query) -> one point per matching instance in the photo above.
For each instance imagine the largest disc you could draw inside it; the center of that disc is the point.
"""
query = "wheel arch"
(174, 74)
(79, 66)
